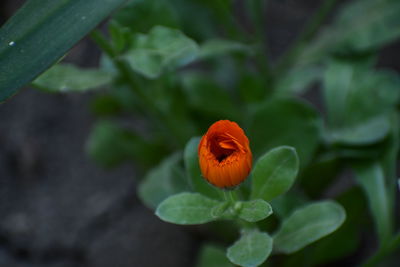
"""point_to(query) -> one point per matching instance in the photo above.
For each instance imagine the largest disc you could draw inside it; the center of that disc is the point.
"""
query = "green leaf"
(389, 159)
(199, 89)
(161, 49)
(365, 133)
(298, 126)
(298, 80)
(251, 250)
(352, 99)
(274, 173)
(371, 178)
(212, 256)
(217, 47)
(164, 180)
(198, 183)
(254, 210)
(286, 204)
(347, 239)
(307, 225)
(362, 25)
(187, 208)
(142, 15)
(110, 145)
(357, 112)
(40, 33)
(69, 78)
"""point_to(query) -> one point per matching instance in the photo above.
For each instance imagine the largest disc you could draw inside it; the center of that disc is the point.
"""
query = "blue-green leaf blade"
(274, 173)
(187, 208)
(40, 33)
(70, 78)
(307, 225)
(254, 210)
(251, 250)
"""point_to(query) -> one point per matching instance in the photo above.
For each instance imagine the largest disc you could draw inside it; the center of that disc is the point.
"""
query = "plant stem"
(231, 196)
(308, 33)
(122, 66)
(146, 103)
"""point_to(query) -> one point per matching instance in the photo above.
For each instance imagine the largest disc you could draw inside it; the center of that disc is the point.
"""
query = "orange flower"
(224, 154)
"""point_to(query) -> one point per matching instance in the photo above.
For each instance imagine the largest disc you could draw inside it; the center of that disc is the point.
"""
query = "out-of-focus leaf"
(110, 145)
(252, 87)
(361, 25)
(365, 133)
(389, 159)
(120, 36)
(197, 182)
(187, 208)
(252, 249)
(105, 105)
(320, 174)
(161, 49)
(199, 90)
(351, 93)
(163, 181)
(40, 33)
(212, 256)
(307, 225)
(371, 178)
(274, 173)
(298, 80)
(142, 15)
(288, 122)
(358, 112)
(69, 78)
(216, 47)
(189, 11)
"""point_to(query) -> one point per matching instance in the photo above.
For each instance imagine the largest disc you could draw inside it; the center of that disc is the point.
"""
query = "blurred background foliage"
(169, 69)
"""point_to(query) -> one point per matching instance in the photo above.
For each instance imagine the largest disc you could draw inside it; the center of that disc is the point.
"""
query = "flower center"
(222, 146)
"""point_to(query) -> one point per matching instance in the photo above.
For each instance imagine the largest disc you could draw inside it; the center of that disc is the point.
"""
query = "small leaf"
(197, 182)
(69, 78)
(251, 250)
(274, 173)
(162, 48)
(212, 256)
(163, 181)
(347, 239)
(254, 210)
(307, 225)
(187, 208)
(216, 47)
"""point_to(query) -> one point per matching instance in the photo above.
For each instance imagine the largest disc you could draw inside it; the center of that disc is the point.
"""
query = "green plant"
(176, 66)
